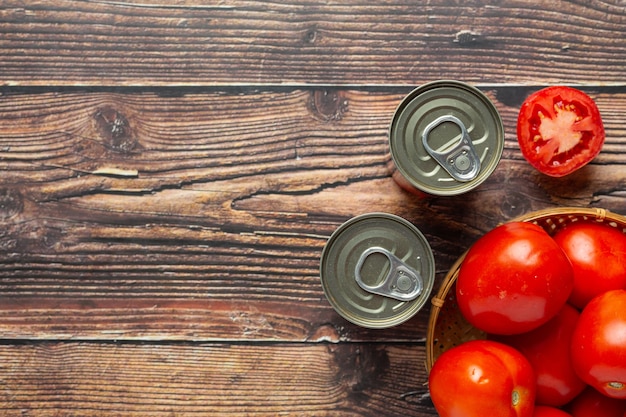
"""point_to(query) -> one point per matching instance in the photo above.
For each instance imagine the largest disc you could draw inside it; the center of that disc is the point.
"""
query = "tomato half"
(599, 344)
(513, 279)
(559, 130)
(545, 411)
(598, 255)
(547, 349)
(482, 378)
(590, 403)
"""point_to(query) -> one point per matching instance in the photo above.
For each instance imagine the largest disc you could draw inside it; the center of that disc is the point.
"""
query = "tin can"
(445, 138)
(377, 270)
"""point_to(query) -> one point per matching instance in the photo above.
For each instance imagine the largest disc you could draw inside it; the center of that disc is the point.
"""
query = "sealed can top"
(446, 137)
(377, 270)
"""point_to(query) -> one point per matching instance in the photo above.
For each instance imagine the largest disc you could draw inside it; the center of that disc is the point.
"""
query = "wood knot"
(310, 36)
(11, 203)
(325, 333)
(328, 105)
(466, 37)
(115, 130)
(360, 368)
(514, 205)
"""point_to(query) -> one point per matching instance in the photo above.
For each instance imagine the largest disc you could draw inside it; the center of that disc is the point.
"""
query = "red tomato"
(559, 129)
(513, 279)
(598, 255)
(482, 378)
(547, 349)
(599, 344)
(545, 411)
(593, 404)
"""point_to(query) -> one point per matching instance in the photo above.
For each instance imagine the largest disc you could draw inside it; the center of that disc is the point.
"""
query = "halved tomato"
(559, 130)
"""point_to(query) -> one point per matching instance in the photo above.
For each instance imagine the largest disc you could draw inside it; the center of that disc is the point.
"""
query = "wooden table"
(171, 170)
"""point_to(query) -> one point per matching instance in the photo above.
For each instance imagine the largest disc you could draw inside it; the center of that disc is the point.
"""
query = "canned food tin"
(377, 270)
(445, 138)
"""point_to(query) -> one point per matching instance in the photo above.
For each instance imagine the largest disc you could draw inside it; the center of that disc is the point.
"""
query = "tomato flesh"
(559, 130)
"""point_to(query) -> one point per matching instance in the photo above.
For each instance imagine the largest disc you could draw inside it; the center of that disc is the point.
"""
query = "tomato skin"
(559, 130)
(546, 411)
(547, 349)
(599, 344)
(482, 378)
(513, 279)
(598, 256)
(590, 403)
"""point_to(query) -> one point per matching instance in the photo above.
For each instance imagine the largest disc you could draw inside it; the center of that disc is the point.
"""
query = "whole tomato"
(590, 403)
(546, 411)
(598, 256)
(513, 279)
(599, 344)
(547, 349)
(482, 378)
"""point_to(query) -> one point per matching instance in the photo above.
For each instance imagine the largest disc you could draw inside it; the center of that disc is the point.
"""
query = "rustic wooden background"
(171, 170)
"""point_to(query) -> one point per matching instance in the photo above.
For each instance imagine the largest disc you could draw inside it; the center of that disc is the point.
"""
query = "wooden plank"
(95, 379)
(160, 43)
(203, 216)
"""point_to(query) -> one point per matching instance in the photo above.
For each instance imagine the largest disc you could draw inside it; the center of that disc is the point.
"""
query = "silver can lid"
(446, 138)
(377, 270)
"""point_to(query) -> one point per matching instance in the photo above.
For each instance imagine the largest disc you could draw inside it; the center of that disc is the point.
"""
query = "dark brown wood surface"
(170, 172)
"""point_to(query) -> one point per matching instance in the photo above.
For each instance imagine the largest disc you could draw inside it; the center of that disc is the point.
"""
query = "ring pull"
(402, 283)
(461, 162)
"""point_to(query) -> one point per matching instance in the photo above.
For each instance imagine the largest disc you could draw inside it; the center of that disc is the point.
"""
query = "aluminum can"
(445, 138)
(377, 270)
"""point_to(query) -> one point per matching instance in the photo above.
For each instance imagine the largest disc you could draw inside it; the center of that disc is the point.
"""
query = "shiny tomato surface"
(598, 256)
(590, 403)
(548, 350)
(546, 411)
(482, 378)
(559, 130)
(599, 344)
(513, 279)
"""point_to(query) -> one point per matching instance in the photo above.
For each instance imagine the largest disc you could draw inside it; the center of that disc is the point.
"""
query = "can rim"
(437, 84)
(419, 302)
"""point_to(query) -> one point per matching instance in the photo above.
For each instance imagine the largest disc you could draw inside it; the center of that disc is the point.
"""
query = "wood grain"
(199, 217)
(171, 170)
(164, 43)
(95, 379)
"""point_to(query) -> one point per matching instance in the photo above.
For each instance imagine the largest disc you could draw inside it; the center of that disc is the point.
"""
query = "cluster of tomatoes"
(554, 309)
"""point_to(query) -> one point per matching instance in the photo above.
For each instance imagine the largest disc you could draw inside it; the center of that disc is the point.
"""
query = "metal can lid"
(377, 270)
(446, 137)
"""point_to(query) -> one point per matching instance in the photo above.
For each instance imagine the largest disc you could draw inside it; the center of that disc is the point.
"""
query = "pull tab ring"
(402, 283)
(461, 162)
